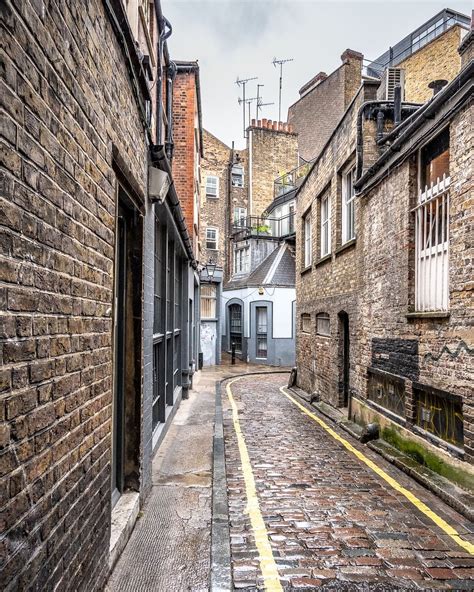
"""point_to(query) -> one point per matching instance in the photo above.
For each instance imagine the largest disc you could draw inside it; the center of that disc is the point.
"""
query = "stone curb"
(221, 573)
(438, 485)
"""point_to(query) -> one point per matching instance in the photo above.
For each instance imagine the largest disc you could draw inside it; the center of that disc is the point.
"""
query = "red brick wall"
(184, 113)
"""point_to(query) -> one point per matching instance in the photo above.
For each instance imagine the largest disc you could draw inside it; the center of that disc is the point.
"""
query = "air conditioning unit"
(394, 77)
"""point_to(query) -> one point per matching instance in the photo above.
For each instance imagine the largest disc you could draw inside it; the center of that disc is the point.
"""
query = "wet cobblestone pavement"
(331, 521)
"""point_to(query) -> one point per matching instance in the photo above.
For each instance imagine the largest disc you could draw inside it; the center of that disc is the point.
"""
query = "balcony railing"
(260, 227)
(291, 180)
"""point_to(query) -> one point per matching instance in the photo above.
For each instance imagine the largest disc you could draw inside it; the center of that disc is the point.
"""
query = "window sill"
(323, 260)
(345, 246)
(212, 197)
(435, 314)
(306, 269)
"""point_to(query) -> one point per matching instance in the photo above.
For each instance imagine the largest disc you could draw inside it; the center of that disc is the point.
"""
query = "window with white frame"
(306, 322)
(323, 326)
(240, 215)
(432, 227)
(262, 345)
(208, 301)
(211, 238)
(237, 175)
(242, 260)
(325, 225)
(212, 186)
(307, 244)
(348, 206)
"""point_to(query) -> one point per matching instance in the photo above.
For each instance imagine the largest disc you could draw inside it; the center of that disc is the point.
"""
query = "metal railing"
(261, 227)
(290, 180)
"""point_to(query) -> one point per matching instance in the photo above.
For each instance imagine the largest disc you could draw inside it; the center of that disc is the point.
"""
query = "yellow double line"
(266, 559)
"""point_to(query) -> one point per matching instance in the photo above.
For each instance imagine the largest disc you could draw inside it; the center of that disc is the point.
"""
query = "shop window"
(387, 391)
(439, 413)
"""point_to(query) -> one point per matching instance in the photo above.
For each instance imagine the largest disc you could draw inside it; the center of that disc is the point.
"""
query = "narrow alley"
(329, 519)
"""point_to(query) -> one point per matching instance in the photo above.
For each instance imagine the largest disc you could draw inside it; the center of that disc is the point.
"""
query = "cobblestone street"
(330, 520)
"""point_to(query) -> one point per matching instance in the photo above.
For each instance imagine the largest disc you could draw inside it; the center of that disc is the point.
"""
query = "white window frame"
(241, 169)
(325, 225)
(239, 220)
(432, 256)
(308, 242)
(241, 260)
(208, 300)
(216, 240)
(348, 206)
(212, 195)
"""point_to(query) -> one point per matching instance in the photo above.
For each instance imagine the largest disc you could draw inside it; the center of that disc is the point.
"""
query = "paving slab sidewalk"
(169, 548)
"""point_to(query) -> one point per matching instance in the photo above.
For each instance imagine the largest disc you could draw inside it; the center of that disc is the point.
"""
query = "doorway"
(344, 358)
(127, 348)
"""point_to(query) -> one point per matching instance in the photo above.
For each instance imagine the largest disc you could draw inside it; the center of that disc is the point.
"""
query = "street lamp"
(210, 269)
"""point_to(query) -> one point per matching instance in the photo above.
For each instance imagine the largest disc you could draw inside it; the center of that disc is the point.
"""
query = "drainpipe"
(360, 140)
(165, 29)
(170, 76)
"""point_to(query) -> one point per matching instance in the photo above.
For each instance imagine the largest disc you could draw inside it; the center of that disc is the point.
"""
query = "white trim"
(210, 195)
(308, 239)
(347, 205)
(216, 239)
(325, 225)
(274, 265)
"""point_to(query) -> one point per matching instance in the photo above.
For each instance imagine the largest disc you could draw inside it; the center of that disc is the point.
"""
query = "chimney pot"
(264, 122)
(253, 122)
(290, 128)
(259, 123)
(351, 54)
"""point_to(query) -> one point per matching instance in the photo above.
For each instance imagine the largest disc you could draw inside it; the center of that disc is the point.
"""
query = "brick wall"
(443, 356)
(331, 285)
(214, 212)
(315, 115)
(272, 153)
(438, 60)
(67, 103)
(184, 159)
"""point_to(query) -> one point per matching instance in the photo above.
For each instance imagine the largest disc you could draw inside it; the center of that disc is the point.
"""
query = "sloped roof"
(278, 270)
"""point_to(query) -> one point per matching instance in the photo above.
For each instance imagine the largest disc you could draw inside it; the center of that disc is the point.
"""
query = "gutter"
(427, 111)
(159, 156)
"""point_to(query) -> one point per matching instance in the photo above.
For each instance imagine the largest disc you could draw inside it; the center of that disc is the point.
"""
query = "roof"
(278, 270)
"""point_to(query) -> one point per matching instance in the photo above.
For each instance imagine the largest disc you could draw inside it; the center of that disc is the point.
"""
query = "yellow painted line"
(266, 559)
(447, 528)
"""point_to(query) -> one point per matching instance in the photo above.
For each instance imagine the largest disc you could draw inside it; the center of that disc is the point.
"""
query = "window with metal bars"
(432, 228)
(262, 324)
(235, 322)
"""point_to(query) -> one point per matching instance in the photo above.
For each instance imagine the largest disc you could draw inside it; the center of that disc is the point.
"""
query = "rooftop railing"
(261, 227)
(290, 180)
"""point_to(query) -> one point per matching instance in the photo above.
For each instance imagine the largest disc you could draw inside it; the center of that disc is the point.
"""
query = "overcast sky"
(240, 38)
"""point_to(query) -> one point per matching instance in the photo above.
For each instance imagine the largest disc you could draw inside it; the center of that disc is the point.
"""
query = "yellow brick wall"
(436, 60)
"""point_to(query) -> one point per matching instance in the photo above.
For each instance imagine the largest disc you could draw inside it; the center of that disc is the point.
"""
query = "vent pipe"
(437, 85)
(397, 105)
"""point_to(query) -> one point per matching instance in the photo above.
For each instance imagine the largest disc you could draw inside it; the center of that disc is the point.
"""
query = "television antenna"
(249, 102)
(242, 83)
(280, 63)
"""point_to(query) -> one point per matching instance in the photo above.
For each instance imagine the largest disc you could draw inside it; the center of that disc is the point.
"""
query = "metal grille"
(261, 315)
(235, 314)
(432, 241)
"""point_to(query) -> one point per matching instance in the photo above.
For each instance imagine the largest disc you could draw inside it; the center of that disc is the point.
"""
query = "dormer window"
(237, 175)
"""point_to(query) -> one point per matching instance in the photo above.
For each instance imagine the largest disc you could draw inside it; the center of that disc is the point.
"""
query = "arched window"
(323, 326)
(235, 324)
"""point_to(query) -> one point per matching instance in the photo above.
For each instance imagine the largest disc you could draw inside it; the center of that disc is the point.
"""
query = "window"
(323, 326)
(307, 239)
(439, 413)
(261, 318)
(240, 215)
(208, 301)
(237, 175)
(235, 326)
(387, 391)
(242, 260)
(348, 204)
(212, 186)
(211, 238)
(432, 227)
(325, 225)
(306, 323)
(291, 219)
